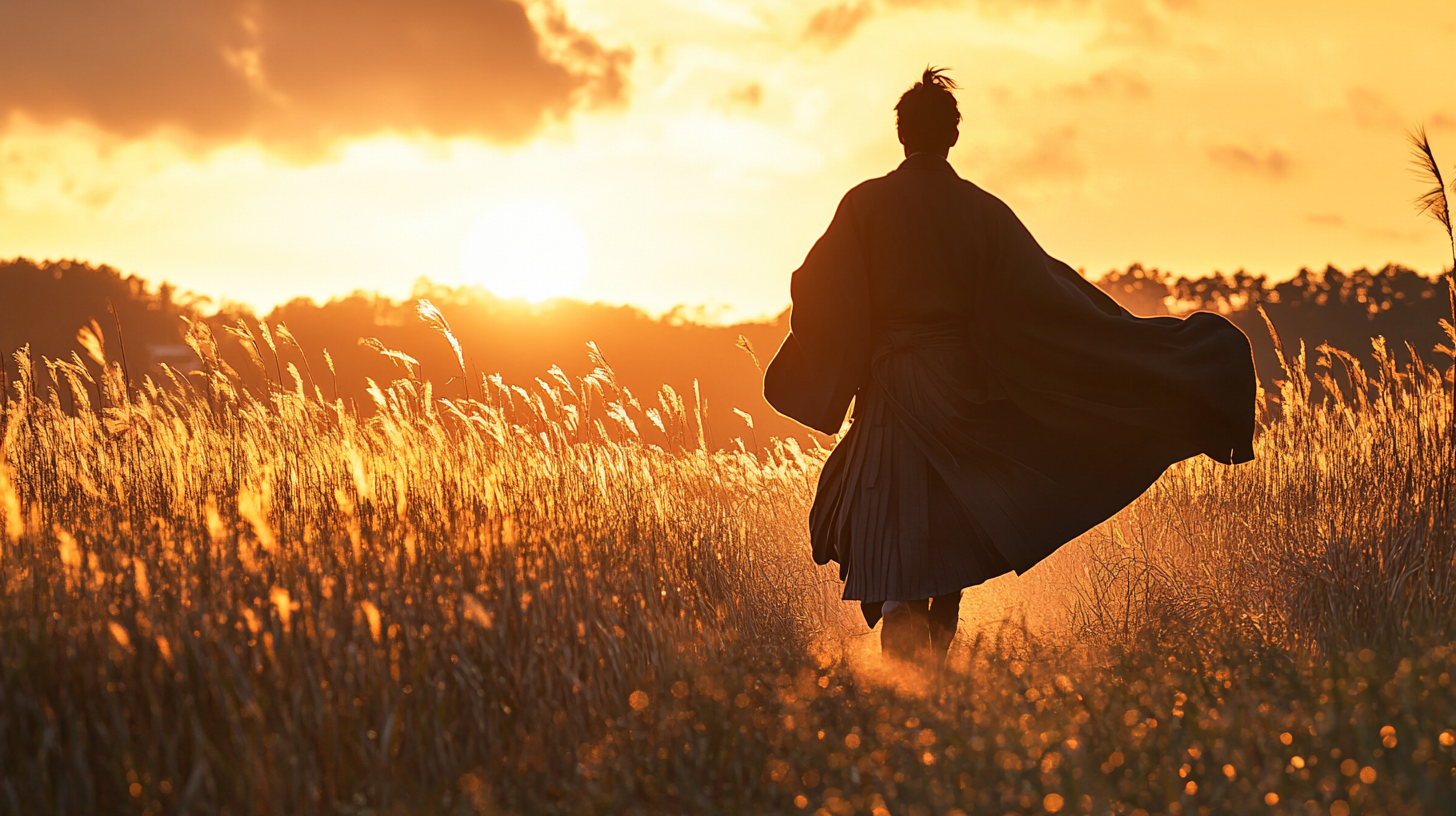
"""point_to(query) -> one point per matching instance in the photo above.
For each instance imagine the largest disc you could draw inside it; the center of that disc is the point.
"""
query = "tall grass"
(217, 601)
(1341, 535)
(265, 601)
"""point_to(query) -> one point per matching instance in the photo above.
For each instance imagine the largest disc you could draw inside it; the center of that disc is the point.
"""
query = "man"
(1002, 405)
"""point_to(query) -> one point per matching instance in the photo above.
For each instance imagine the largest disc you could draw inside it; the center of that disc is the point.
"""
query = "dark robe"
(1003, 405)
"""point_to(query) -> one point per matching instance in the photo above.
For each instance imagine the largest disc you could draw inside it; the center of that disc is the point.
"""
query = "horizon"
(699, 314)
(699, 150)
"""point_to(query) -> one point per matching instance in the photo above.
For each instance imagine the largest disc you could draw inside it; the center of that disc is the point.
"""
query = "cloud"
(927, 4)
(1440, 120)
(1273, 164)
(1111, 83)
(747, 96)
(1123, 23)
(1379, 233)
(1138, 23)
(1372, 110)
(832, 25)
(1053, 156)
(1052, 165)
(302, 73)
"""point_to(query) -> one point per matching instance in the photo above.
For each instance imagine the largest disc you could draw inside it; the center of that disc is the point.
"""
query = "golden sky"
(262, 149)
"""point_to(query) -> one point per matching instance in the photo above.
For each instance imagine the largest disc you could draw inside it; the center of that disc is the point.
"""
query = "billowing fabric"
(1003, 405)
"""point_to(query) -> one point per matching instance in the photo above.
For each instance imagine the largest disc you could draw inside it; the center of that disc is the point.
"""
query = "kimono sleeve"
(823, 361)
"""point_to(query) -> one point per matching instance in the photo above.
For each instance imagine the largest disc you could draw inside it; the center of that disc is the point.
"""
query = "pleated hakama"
(884, 509)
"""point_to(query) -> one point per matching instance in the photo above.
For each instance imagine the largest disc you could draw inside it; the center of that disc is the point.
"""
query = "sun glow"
(526, 249)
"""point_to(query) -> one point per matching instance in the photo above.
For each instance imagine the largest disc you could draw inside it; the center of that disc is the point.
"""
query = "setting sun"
(526, 249)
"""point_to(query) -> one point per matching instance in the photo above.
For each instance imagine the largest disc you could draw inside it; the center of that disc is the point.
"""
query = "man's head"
(926, 116)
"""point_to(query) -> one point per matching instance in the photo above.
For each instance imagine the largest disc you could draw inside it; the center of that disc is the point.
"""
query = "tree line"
(45, 304)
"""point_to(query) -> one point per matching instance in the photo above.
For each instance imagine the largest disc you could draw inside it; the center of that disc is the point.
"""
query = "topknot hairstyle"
(926, 115)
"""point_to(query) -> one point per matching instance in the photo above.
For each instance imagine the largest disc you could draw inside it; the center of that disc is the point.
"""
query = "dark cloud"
(832, 25)
(1273, 164)
(301, 73)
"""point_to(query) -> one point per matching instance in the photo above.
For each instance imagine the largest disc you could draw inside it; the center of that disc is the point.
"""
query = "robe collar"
(926, 161)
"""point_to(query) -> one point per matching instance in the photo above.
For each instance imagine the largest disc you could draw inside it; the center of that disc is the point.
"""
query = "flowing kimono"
(1002, 404)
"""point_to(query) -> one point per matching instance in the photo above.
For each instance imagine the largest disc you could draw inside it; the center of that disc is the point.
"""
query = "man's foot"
(940, 639)
(944, 618)
(905, 632)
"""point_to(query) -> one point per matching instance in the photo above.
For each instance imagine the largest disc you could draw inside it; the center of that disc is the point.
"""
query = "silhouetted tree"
(1344, 310)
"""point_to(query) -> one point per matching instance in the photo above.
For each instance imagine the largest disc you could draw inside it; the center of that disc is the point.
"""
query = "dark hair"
(926, 115)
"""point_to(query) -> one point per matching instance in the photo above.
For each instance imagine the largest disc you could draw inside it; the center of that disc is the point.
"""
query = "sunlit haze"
(701, 147)
(525, 249)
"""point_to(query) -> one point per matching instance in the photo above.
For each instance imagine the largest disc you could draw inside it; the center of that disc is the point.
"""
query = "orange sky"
(260, 149)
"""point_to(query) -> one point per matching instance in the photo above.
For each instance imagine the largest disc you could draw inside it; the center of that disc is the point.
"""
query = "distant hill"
(522, 343)
(44, 304)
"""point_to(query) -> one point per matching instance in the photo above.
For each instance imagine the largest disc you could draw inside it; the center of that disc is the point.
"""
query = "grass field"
(218, 602)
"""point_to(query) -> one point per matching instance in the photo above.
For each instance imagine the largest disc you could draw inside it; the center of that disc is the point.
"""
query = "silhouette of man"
(1002, 405)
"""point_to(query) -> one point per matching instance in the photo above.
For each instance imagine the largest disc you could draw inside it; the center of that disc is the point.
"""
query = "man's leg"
(944, 617)
(905, 632)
